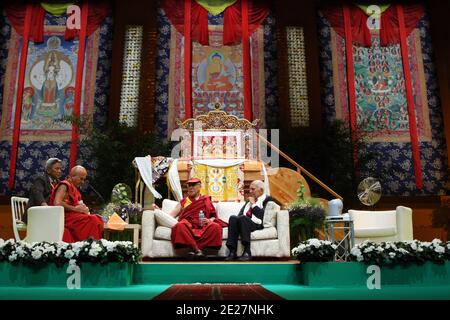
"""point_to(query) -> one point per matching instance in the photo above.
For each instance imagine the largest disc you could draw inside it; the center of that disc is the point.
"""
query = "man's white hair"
(51, 162)
(259, 184)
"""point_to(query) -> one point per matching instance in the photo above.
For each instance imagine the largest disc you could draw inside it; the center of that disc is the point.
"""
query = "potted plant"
(305, 216)
(314, 250)
(122, 205)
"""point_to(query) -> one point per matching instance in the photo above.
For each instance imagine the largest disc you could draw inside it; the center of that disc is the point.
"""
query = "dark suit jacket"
(40, 192)
(257, 211)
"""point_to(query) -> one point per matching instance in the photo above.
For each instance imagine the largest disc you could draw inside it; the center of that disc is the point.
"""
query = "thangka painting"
(217, 144)
(217, 76)
(381, 105)
(49, 88)
(222, 184)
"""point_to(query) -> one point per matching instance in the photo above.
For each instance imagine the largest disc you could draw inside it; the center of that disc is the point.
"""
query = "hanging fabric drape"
(16, 15)
(246, 62)
(389, 27)
(187, 60)
(409, 98)
(350, 79)
(396, 23)
(175, 9)
(98, 10)
(28, 21)
(232, 19)
(79, 82)
(20, 82)
(215, 7)
(56, 9)
(240, 19)
(389, 33)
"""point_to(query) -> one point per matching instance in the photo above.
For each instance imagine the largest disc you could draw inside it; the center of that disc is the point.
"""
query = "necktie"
(249, 212)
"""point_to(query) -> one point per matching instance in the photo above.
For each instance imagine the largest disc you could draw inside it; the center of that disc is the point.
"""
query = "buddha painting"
(218, 73)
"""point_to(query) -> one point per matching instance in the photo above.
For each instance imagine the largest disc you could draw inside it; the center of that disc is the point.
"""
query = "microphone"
(95, 191)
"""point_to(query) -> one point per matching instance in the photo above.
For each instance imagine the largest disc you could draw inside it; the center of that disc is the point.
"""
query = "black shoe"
(231, 256)
(246, 256)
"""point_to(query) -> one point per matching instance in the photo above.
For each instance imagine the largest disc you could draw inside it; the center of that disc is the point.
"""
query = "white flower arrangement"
(314, 250)
(96, 251)
(401, 252)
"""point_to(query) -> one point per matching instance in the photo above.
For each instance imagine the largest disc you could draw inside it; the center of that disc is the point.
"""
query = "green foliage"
(306, 214)
(121, 194)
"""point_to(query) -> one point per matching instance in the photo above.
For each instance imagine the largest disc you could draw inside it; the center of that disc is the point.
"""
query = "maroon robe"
(189, 232)
(77, 226)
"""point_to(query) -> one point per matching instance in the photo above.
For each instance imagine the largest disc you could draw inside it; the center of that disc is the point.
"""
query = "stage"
(254, 280)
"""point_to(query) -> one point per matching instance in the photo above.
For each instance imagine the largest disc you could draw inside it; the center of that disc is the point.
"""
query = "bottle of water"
(201, 217)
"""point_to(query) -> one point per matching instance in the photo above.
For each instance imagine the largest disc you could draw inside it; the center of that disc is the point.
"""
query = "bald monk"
(79, 224)
(190, 232)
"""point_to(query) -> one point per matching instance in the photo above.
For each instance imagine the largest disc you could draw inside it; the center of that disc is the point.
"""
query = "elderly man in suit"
(43, 184)
(249, 219)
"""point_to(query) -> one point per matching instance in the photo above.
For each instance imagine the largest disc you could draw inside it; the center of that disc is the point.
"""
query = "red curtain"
(232, 20)
(16, 15)
(174, 10)
(389, 28)
(389, 33)
(97, 13)
(257, 12)
(85, 8)
(22, 65)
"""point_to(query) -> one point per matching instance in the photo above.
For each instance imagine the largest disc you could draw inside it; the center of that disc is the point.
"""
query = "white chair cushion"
(225, 233)
(163, 233)
(374, 219)
(164, 219)
(227, 209)
(375, 232)
(168, 205)
(270, 214)
(264, 234)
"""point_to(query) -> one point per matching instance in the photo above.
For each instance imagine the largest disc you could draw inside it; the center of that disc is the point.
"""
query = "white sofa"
(272, 241)
(380, 226)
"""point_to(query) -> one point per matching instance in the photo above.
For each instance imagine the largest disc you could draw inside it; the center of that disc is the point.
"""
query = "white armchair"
(272, 241)
(379, 226)
(45, 223)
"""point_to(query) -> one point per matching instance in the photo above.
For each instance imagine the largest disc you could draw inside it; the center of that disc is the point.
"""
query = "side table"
(136, 229)
(340, 223)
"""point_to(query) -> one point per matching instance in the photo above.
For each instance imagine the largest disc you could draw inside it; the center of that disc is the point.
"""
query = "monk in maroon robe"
(192, 232)
(79, 224)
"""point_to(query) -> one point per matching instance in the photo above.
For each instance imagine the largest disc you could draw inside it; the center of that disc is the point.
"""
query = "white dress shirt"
(258, 203)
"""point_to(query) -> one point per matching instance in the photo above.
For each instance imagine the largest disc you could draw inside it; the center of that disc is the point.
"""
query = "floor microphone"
(96, 192)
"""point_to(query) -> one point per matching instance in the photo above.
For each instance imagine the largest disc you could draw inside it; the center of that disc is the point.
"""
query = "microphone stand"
(96, 192)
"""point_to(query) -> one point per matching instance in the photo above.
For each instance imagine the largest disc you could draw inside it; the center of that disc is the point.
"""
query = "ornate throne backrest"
(218, 135)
